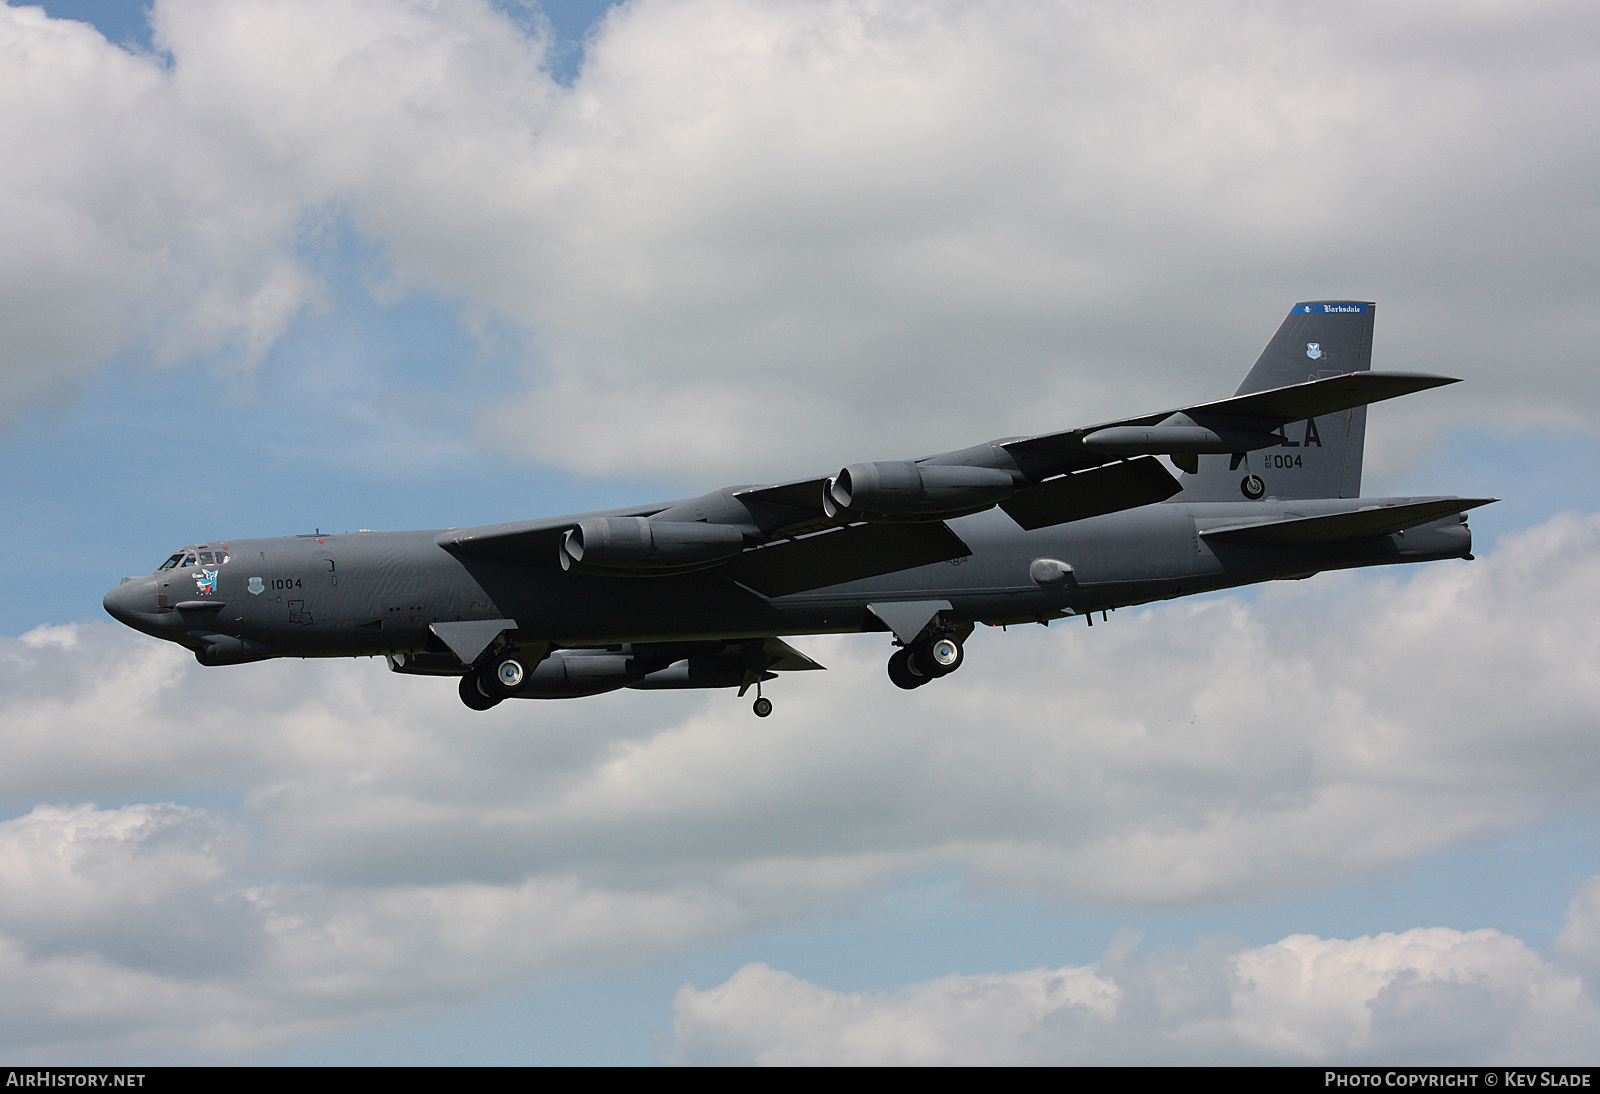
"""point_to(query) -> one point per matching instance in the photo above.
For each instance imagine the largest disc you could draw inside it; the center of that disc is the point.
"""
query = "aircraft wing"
(1109, 488)
(525, 541)
(829, 557)
(794, 508)
(844, 554)
(879, 518)
(1315, 398)
(1242, 423)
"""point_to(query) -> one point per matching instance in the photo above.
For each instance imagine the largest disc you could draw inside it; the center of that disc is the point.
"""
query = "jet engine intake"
(909, 491)
(610, 545)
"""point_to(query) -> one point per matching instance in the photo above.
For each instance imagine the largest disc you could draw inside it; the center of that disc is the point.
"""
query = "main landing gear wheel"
(501, 678)
(762, 706)
(472, 693)
(912, 666)
(905, 672)
(943, 655)
(937, 656)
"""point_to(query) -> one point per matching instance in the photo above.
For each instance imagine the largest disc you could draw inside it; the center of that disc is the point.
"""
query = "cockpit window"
(171, 562)
(206, 559)
(188, 559)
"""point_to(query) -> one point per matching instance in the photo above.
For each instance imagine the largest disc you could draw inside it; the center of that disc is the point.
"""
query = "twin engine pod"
(910, 491)
(613, 545)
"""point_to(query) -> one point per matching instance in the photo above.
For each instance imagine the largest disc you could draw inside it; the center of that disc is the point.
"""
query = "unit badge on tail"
(1313, 350)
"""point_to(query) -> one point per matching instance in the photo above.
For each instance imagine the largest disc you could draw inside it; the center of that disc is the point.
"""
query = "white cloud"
(392, 852)
(127, 222)
(757, 238)
(1579, 943)
(134, 930)
(1425, 996)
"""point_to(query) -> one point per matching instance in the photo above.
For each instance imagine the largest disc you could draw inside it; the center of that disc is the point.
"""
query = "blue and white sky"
(275, 265)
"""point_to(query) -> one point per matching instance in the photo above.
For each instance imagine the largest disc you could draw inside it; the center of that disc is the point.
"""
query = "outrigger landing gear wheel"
(762, 706)
(472, 693)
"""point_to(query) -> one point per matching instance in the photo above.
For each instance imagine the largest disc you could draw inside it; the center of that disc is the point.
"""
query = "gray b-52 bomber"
(696, 593)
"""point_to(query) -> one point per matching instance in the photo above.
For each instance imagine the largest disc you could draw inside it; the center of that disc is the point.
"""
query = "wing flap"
(1383, 520)
(848, 554)
(1109, 489)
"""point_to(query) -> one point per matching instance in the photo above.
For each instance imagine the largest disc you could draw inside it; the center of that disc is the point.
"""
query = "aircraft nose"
(122, 603)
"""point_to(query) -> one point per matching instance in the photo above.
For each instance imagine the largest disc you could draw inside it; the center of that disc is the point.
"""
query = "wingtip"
(1433, 379)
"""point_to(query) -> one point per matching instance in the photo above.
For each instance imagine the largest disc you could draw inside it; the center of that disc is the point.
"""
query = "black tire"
(1252, 487)
(472, 694)
(903, 673)
(762, 706)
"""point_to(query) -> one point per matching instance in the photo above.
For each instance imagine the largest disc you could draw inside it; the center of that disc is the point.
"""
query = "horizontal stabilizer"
(1381, 520)
(848, 554)
(1109, 489)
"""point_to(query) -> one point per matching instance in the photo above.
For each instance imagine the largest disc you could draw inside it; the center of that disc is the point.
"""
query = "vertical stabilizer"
(1320, 458)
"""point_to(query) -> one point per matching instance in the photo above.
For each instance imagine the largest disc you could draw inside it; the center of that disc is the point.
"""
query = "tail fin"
(1321, 457)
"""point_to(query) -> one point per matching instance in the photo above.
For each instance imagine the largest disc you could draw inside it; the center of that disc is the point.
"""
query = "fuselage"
(368, 593)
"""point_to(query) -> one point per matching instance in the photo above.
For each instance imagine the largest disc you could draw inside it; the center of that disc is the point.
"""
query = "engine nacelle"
(636, 545)
(909, 491)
